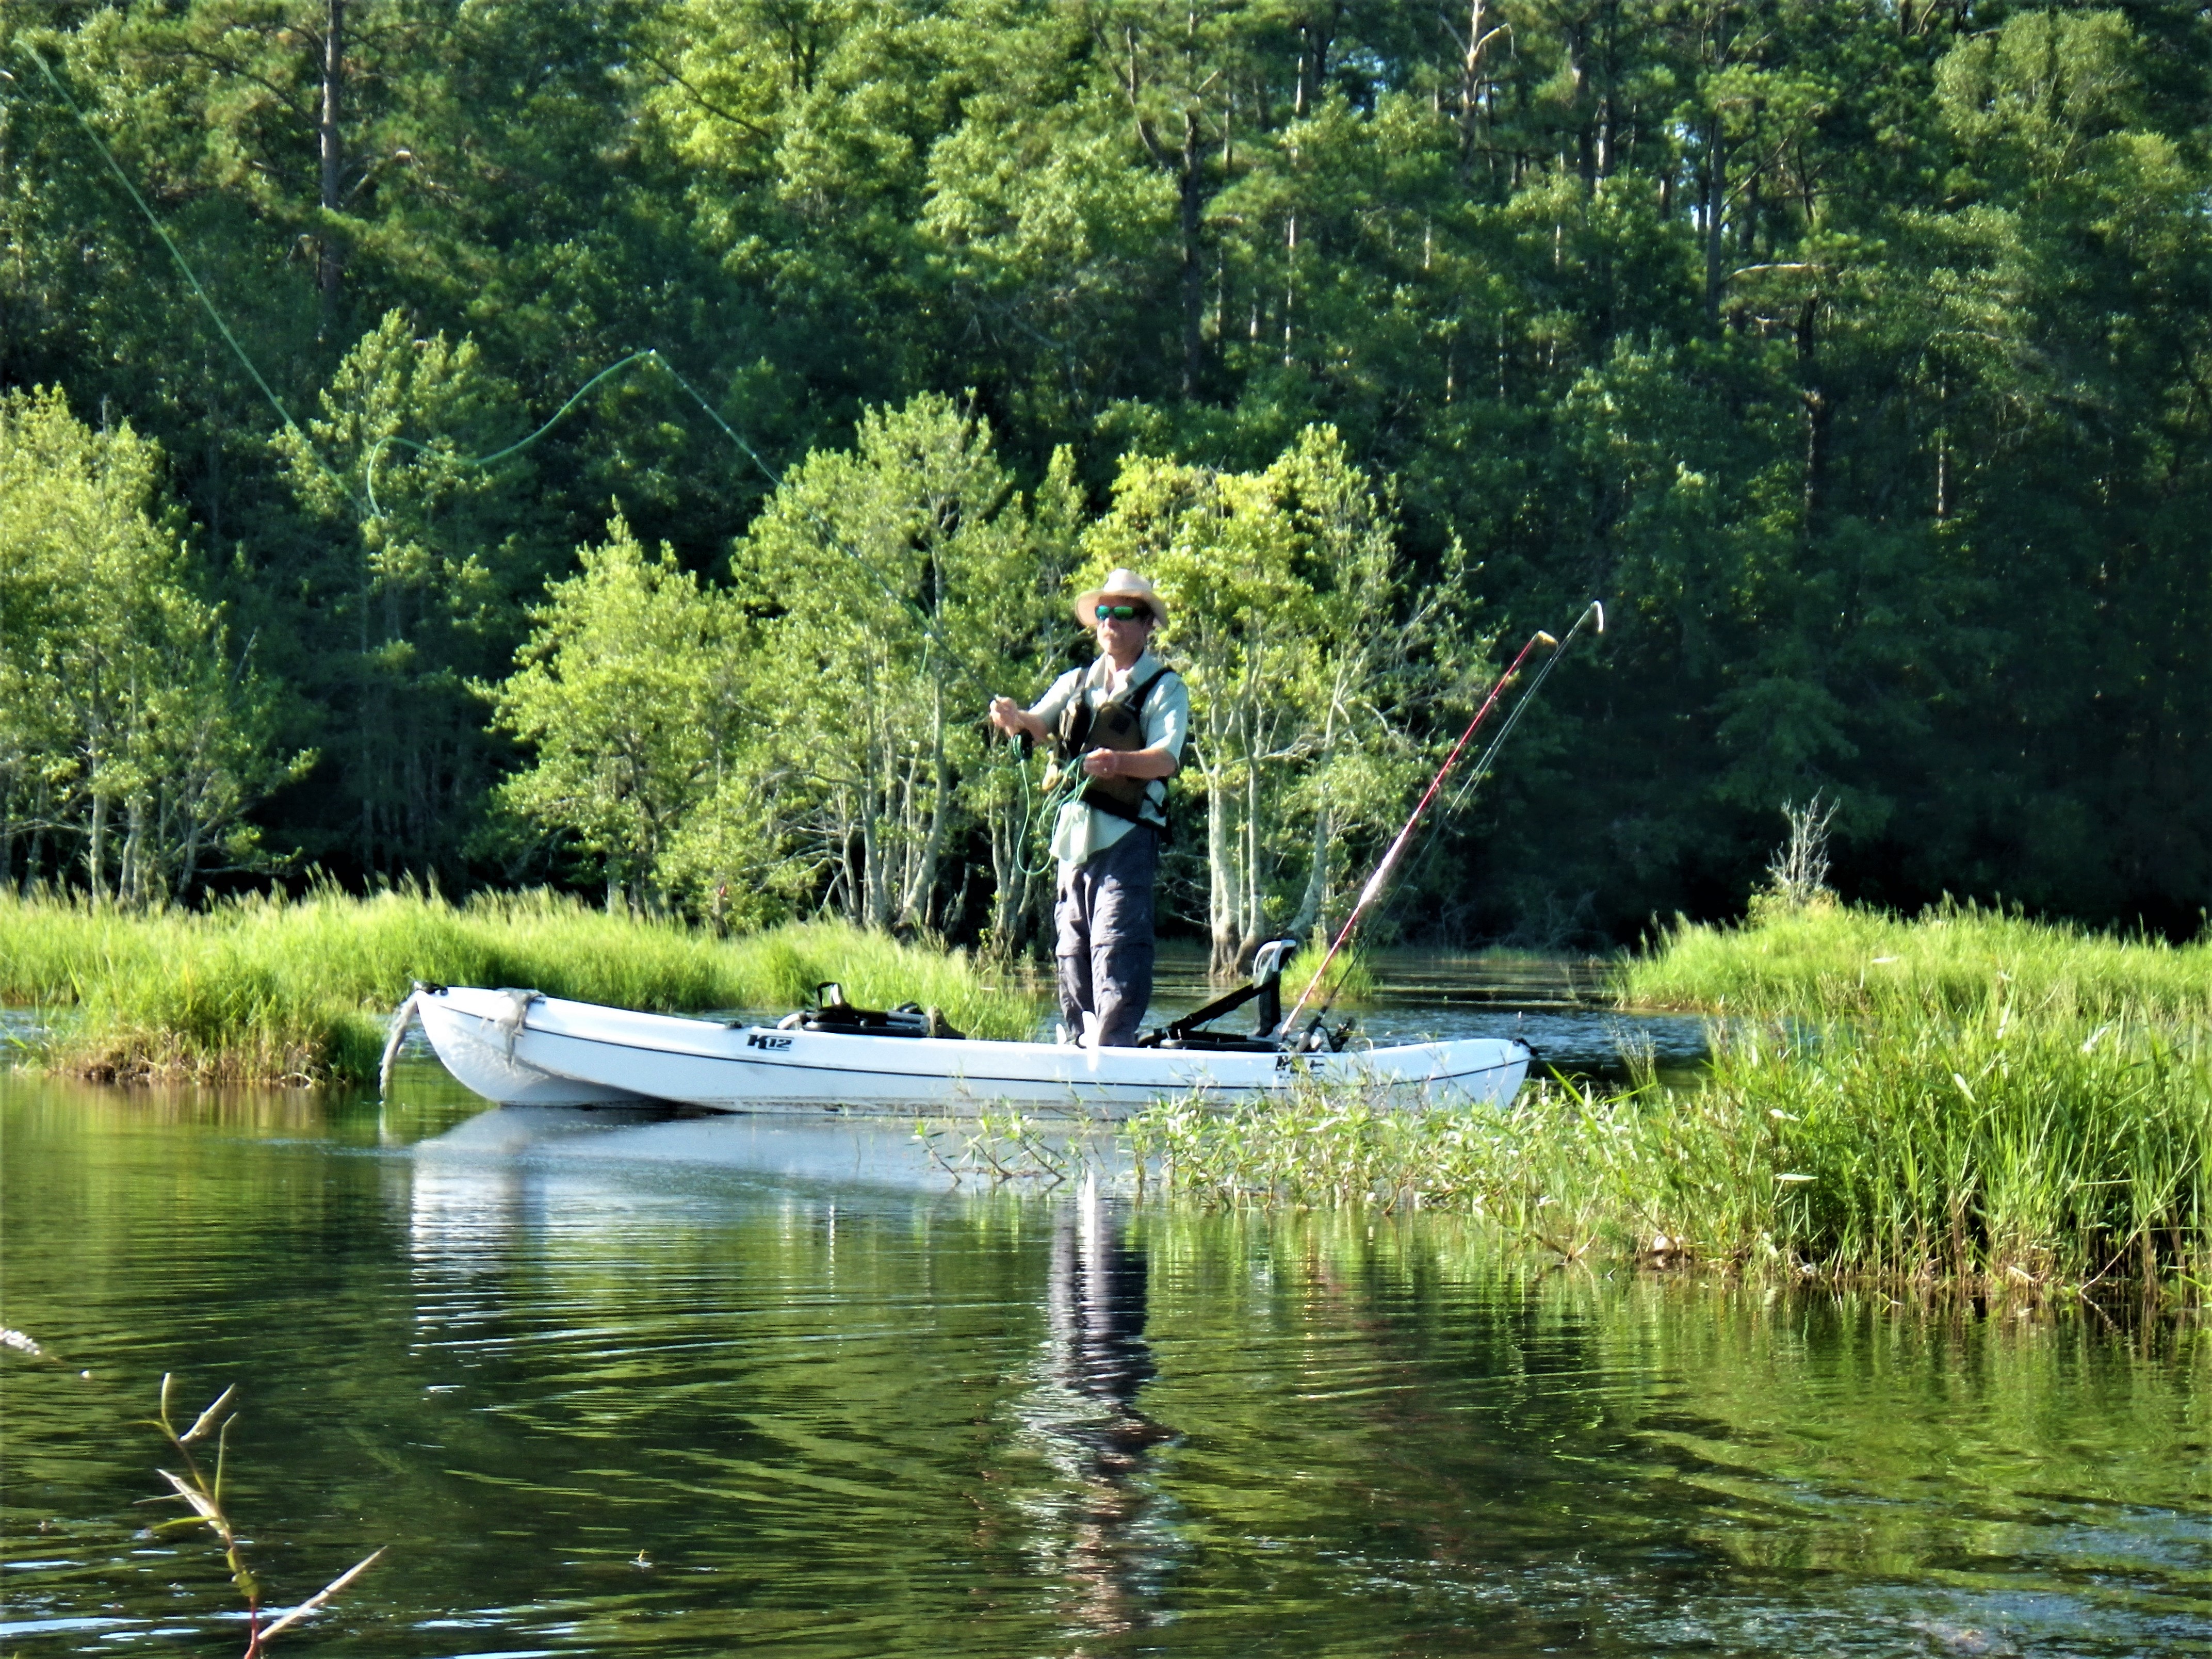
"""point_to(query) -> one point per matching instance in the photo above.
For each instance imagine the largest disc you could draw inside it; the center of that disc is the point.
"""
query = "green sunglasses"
(1122, 612)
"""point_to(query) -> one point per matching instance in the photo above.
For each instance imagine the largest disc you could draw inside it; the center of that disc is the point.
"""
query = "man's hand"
(1128, 764)
(1011, 717)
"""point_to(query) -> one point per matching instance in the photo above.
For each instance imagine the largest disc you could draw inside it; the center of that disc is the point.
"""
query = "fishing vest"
(1117, 723)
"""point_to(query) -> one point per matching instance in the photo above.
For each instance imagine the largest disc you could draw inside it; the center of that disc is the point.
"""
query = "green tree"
(421, 577)
(1309, 663)
(132, 731)
(630, 697)
(895, 586)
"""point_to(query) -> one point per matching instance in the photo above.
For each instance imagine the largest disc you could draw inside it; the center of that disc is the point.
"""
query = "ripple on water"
(607, 1390)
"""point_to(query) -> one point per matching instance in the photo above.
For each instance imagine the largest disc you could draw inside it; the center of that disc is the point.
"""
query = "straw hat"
(1123, 584)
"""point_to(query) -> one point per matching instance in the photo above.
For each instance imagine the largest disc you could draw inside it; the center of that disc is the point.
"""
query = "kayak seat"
(1265, 988)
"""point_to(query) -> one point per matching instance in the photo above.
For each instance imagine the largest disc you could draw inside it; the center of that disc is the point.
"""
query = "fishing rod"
(1404, 839)
(1480, 770)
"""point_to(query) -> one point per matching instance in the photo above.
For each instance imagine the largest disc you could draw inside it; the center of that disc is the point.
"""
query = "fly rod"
(1396, 852)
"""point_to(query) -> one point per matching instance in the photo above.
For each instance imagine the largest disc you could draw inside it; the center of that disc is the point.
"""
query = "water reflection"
(634, 1389)
(1104, 1532)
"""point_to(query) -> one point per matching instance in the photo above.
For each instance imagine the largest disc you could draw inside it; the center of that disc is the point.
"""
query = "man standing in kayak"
(1125, 716)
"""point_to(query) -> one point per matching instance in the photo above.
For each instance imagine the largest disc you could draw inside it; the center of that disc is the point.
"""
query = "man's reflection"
(1109, 1543)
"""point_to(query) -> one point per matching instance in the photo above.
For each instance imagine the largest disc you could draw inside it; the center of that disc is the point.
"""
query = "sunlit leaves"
(629, 697)
(133, 729)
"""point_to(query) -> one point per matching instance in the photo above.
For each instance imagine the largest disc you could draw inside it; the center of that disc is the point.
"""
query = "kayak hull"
(516, 1048)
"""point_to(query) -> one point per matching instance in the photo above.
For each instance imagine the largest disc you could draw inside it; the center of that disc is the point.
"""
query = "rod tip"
(1600, 609)
(1544, 638)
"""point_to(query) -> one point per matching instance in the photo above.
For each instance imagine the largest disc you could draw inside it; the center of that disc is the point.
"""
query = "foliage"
(135, 735)
(420, 561)
(1855, 356)
(2008, 1147)
(1797, 874)
(1851, 962)
(265, 989)
(1309, 669)
(203, 1496)
(628, 694)
(1350, 977)
(1971, 1097)
(895, 586)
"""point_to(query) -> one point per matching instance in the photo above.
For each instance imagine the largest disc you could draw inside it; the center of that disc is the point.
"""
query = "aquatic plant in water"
(2021, 1154)
(202, 1494)
(1002, 1147)
(1350, 978)
(1822, 960)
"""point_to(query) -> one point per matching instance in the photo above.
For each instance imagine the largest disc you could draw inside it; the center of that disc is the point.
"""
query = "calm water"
(628, 1386)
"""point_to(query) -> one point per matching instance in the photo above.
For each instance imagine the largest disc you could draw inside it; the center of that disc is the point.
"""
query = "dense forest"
(1858, 356)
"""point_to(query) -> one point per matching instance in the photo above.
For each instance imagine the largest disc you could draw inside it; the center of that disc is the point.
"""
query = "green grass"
(1970, 1099)
(1989, 1152)
(1350, 978)
(265, 989)
(1834, 959)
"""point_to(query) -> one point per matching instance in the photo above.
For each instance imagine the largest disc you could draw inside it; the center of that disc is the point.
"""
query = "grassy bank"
(1828, 959)
(265, 989)
(1970, 1099)
(1985, 1153)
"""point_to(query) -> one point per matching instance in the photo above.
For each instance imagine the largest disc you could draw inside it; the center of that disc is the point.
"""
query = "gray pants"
(1105, 945)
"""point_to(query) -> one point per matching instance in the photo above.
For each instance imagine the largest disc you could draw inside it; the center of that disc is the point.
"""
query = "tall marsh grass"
(1826, 959)
(1350, 977)
(271, 989)
(1969, 1099)
(2003, 1155)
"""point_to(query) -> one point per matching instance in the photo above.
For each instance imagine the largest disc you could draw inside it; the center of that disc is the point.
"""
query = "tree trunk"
(1942, 449)
(1010, 881)
(188, 860)
(1308, 911)
(1820, 414)
(913, 908)
(1254, 900)
(35, 854)
(871, 873)
(1472, 80)
(1044, 897)
(132, 886)
(330, 263)
(1221, 882)
(95, 850)
(876, 788)
(1716, 206)
(1194, 269)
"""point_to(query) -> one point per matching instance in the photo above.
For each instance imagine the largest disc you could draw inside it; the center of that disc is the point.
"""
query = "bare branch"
(321, 1597)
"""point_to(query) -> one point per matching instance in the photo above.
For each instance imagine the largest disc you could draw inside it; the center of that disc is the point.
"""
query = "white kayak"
(517, 1047)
